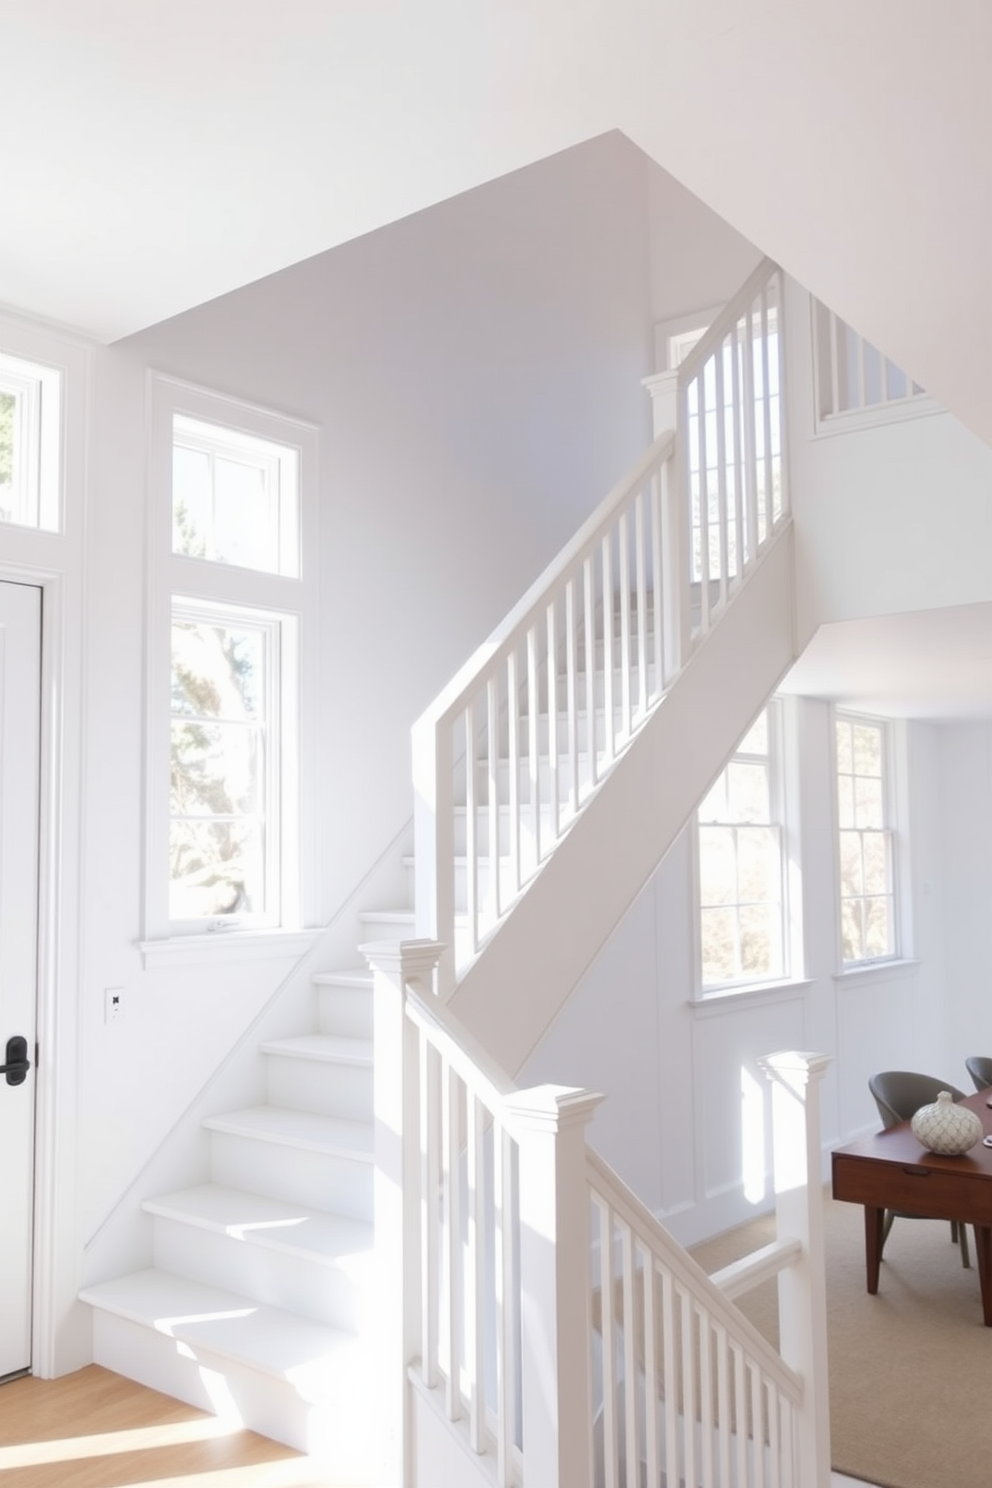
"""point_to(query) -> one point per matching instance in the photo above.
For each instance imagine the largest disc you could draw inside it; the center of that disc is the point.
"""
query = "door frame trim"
(55, 1260)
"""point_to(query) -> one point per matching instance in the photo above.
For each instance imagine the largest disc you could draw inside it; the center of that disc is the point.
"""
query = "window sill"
(227, 945)
(877, 971)
(755, 994)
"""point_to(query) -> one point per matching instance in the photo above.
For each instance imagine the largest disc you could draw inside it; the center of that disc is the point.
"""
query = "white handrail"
(606, 1184)
(691, 1391)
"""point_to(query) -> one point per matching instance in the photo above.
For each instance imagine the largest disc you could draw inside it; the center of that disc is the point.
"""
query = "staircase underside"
(536, 957)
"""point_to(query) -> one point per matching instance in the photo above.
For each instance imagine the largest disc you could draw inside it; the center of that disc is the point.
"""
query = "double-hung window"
(865, 841)
(740, 852)
(233, 599)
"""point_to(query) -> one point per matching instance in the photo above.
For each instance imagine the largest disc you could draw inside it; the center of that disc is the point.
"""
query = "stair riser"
(217, 1384)
(341, 1185)
(330, 1089)
(385, 926)
(346, 1010)
(324, 1292)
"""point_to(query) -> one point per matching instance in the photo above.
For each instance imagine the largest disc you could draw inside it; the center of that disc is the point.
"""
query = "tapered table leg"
(983, 1244)
(874, 1220)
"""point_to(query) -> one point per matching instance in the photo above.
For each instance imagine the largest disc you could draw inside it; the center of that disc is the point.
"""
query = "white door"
(20, 708)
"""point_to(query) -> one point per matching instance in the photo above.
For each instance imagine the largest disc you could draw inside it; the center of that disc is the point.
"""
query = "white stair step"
(292, 1379)
(323, 1047)
(388, 924)
(344, 1002)
(314, 1357)
(302, 1129)
(322, 1072)
(301, 1157)
(253, 1219)
(288, 1256)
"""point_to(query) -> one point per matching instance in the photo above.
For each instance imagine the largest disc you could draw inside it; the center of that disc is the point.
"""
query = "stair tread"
(373, 915)
(358, 977)
(314, 1357)
(332, 1048)
(292, 1128)
(273, 1223)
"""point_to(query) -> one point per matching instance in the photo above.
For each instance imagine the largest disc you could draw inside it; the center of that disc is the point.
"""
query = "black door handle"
(17, 1063)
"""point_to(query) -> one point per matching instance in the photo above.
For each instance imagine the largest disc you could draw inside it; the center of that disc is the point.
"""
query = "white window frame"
(279, 465)
(893, 751)
(36, 490)
(279, 632)
(289, 604)
(782, 815)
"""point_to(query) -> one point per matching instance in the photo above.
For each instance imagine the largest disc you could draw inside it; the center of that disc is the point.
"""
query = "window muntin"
(235, 498)
(30, 443)
(865, 847)
(740, 860)
(224, 764)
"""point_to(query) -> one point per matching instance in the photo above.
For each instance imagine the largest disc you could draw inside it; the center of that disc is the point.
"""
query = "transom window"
(234, 498)
(867, 892)
(30, 441)
(740, 855)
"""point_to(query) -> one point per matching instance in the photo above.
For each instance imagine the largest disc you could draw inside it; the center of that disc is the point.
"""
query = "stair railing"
(508, 754)
(731, 423)
(545, 1314)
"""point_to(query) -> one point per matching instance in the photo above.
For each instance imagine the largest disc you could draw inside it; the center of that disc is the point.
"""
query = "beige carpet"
(911, 1368)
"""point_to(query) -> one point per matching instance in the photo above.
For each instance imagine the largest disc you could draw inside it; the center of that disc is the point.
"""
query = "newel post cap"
(405, 960)
(795, 1066)
(551, 1108)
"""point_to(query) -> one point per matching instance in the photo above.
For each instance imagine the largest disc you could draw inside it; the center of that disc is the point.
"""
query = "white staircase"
(536, 826)
(256, 1299)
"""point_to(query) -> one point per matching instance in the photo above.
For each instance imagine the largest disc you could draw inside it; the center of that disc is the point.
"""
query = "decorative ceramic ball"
(946, 1127)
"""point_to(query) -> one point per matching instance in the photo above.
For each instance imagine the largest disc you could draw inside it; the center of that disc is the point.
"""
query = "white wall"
(475, 374)
(965, 882)
(887, 519)
(712, 272)
(676, 1073)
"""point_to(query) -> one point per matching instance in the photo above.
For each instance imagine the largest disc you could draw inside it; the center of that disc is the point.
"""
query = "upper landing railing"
(506, 757)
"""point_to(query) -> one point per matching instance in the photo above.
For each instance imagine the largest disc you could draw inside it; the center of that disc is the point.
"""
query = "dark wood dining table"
(891, 1170)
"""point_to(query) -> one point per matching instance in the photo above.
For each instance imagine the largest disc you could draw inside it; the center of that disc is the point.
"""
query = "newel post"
(395, 1300)
(802, 1294)
(549, 1123)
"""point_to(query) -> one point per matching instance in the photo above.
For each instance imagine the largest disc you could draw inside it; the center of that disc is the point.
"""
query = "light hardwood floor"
(95, 1429)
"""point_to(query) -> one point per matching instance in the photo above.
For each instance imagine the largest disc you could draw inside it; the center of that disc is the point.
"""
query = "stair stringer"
(526, 971)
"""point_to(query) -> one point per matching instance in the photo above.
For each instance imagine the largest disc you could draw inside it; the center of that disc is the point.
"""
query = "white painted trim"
(55, 562)
(226, 946)
(755, 994)
(877, 416)
(875, 971)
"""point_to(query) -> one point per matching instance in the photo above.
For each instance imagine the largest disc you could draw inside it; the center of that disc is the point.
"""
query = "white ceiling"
(930, 664)
(158, 153)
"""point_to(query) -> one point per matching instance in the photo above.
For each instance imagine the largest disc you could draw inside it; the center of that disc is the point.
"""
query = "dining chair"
(899, 1094)
(980, 1070)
